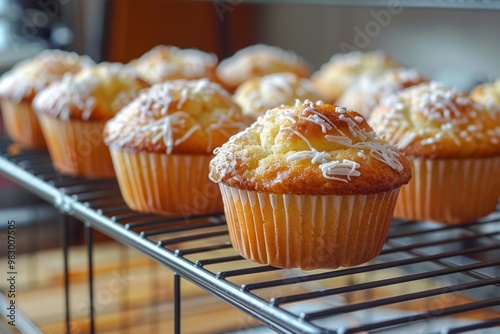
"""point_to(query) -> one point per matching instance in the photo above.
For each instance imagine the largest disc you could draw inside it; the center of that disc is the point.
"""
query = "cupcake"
(166, 62)
(309, 186)
(161, 144)
(367, 91)
(256, 95)
(73, 112)
(259, 60)
(488, 95)
(19, 86)
(343, 69)
(454, 148)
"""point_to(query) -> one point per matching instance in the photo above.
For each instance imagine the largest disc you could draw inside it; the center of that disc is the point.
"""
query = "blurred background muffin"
(454, 147)
(161, 144)
(259, 60)
(256, 95)
(73, 112)
(343, 69)
(167, 62)
(21, 84)
(367, 91)
(488, 95)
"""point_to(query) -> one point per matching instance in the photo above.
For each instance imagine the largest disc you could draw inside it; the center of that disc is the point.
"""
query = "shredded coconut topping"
(430, 114)
(288, 145)
(75, 93)
(171, 112)
(332, 168)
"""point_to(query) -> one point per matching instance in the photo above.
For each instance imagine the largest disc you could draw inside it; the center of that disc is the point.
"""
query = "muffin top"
(336, 75)
(365, 93)
(166, 62)
(310, 149)
(95, 93)
(488, 95)
(434, 121)
(30, 76)
(256, 95)
(177, 117)
(259, 60)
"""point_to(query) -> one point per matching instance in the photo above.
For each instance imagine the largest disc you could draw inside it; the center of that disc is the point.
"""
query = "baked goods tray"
(429, 278)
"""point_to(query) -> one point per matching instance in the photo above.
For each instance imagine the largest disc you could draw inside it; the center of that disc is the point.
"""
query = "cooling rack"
(429, 278)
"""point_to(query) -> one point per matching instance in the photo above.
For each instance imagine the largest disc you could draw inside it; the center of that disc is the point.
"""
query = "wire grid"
(429, 278)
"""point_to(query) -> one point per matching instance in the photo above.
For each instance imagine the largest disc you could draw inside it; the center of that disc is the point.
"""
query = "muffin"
(488, 95)
(343, 69)
(19, 86)
(73, 112)
(367, 91)
(309, 186)
(256, 95)
(259, 60)
(166, 62)
(454, 148)
(161, 144)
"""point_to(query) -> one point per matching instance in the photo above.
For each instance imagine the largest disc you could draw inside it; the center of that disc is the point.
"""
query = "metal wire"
(450, 259)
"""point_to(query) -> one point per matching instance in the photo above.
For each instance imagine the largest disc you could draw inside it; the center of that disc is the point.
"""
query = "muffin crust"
(431, 120)
(310, 149)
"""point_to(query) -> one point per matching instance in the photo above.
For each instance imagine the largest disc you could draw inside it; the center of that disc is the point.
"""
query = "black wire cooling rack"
(429, 278)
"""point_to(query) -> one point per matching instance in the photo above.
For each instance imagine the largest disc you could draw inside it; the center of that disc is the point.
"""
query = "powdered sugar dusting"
(32, 75)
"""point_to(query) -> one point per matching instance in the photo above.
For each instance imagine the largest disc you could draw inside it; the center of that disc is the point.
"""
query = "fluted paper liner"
(166, 184)
(77, 148)
(22, 125)
(451, 191)
(308, 232)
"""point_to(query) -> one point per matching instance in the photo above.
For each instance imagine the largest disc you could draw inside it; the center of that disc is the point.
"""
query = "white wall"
(458, 47)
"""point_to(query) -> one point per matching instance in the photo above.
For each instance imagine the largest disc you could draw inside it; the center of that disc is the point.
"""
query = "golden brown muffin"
(257, 95)
(454, 147)
(343, 69)
(259, 60)
(162, 142)
(19, 86)
(73, 112)
(309, 186)
(367, 91)
(166, 62)
(488, 95)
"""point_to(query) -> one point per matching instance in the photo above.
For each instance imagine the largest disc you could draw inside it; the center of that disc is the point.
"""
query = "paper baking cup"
(450, 191)
(175, 185)
(22, 125)
(77, 148)
(308, 232)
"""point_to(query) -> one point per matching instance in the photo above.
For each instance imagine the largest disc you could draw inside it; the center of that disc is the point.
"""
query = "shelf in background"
(435, 4)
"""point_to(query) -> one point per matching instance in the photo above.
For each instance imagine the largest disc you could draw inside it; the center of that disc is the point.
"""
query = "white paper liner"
(451, 191)
(308, 232)
(166, 184)
(22, 125)
(77, 148)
